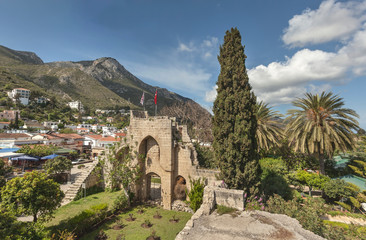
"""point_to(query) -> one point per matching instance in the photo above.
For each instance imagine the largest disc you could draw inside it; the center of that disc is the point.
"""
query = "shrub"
(335, 189)
(254, 204)
(273, 183)
(196, 193)
(307, 215)
(85, 220)
(120, 203)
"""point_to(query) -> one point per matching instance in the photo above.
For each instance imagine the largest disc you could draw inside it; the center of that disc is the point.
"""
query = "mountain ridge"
(99, 83)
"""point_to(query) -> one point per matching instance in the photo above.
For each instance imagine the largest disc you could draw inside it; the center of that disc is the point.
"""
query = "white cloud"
(211, 95)
(185, 48)
(210, 42)
(332, 21)
(315, 70)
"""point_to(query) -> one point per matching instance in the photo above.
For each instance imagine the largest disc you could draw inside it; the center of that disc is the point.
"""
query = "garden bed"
(134, 230)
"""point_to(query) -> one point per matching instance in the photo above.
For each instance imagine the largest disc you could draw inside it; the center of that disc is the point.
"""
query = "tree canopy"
(269, 133)
(234, 121)
(321, 125)
(34, 194)
(58, 165)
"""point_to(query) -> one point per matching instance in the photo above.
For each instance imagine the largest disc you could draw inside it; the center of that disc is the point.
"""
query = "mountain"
(103, 83)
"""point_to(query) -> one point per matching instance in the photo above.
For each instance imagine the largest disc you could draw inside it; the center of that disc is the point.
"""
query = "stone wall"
(210, 175)
(94, 179)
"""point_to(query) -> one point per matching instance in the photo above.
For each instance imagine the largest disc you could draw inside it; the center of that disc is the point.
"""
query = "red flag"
(142, 99)
(156, 97)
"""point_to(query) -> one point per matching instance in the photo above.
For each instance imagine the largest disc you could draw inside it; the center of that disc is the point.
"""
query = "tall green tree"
(269, 132)
(34, 194)
(234, 121)
(321, 125)
(58, 165)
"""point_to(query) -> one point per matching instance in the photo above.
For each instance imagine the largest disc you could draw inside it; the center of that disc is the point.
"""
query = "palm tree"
(321, 126)
(269, 132)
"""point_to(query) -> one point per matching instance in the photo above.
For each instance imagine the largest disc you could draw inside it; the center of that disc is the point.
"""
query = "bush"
(120, 203)
(196, 193)
(307, 214)
(335, 189)
(84, 221)
(273, 183)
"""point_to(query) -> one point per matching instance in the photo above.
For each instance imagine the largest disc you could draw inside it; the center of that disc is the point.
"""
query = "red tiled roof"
(94, 136)
(5, 122)
(68, 135)
(49, 136)
(108, 139)
(22, 89)
(120, 134)
(13, 135)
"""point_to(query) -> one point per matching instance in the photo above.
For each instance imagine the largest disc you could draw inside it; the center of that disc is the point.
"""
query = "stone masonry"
(163, 148)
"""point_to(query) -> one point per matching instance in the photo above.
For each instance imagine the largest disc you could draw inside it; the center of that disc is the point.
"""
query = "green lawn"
(132, 230)
(75, 207)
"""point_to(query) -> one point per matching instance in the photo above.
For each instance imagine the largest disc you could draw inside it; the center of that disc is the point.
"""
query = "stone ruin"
(163, 149)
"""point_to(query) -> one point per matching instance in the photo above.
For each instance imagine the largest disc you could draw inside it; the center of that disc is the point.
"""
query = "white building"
(21, 93)
(41, 100)
(51, 125)
(76, 105)
(108, 130)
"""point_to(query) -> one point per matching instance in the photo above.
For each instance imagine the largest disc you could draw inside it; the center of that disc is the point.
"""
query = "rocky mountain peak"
(19, 56)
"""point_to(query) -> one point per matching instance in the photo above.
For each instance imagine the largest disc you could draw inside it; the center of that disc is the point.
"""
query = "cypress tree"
(234, 121)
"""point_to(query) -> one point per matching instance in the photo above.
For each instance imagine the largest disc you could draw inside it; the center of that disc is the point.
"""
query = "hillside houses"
(9, 114)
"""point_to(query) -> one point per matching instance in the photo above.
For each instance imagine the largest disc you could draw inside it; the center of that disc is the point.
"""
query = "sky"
(292, 47)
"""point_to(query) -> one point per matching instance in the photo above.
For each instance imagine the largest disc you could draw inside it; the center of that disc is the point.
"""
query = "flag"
(156, 97)
(142, 98)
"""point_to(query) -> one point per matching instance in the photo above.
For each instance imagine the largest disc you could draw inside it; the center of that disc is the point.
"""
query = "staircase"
(72, 191)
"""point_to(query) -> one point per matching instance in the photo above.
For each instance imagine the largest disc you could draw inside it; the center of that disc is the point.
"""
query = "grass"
(75, 207)
(348, 214)
(226, 210)
(133, 230)
(155, 180)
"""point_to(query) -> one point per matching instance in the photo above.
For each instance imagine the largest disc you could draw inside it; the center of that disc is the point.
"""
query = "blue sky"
(291, 46)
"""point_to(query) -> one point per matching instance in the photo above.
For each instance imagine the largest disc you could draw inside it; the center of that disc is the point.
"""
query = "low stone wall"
(209, 175)
(229, 198)
(212, 196)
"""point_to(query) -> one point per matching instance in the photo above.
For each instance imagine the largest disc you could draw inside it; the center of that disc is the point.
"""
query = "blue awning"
(52, 156)
(9, 150)
(24, 158)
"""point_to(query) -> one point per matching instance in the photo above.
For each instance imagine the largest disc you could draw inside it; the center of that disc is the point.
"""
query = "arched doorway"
(149, 157)
(153, 187)
(180, 188)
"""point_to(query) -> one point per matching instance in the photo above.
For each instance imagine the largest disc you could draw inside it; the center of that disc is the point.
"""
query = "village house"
(41, 100)
(108, 130)
(107, 141)
(21, 93)
(11, 140)
(4, 125)
(48, 139)
(9, 114)
(76, 105)
(92, 140)
(51, 125)
(33, 124)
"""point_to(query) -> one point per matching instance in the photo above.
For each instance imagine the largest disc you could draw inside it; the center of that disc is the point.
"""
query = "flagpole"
(156, 101)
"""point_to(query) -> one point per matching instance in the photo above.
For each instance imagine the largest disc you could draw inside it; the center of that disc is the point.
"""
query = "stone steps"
(72, 191)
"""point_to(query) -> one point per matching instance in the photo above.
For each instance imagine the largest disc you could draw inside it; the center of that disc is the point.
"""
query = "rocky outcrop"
(207, 225)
